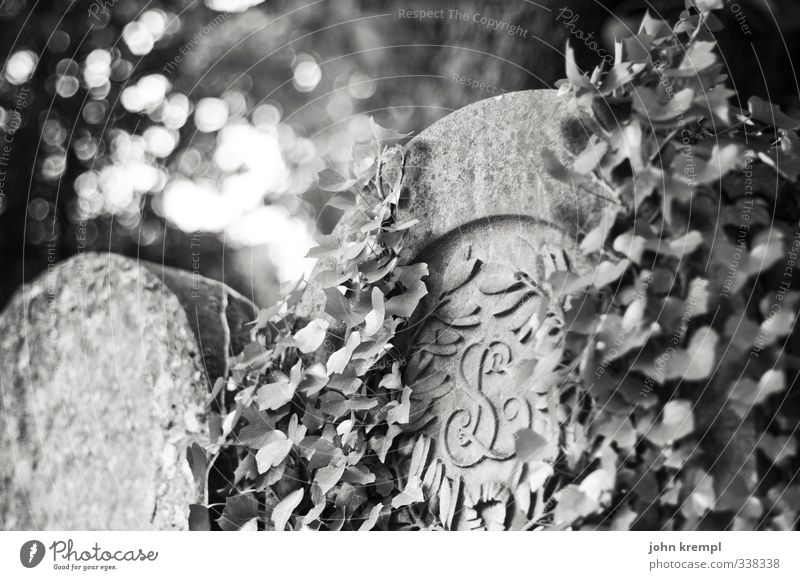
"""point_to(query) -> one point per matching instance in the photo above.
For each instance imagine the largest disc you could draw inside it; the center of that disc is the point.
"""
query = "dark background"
(253, 54)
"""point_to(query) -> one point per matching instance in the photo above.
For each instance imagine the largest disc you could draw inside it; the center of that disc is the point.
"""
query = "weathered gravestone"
(105, 367)
(493, 226)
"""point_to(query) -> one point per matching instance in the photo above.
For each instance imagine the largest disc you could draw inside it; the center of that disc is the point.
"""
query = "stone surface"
(486, 313)
(493, 226)
(489, 214)
(485, 160)
(105, 367)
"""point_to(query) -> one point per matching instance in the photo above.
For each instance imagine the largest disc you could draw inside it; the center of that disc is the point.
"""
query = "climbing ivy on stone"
(319, 405)
(686, 320)
(683, 323)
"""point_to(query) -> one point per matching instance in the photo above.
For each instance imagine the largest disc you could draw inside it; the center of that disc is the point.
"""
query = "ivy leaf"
(597, 483)
(695, 363)
(698, 57)
(768, 248)
(410, 275)
(631, 245)
(573, 504)
(622, 74)
(199, 520)
(530, 446)
(405, 304)
(198, 463)
(707, 5)
(373, 271)
(647, 103)
(309, 338)
(352, 250)
(239, 510)
(323, 251)
(702, 496)
(771, 115)
(343, 200)
(629, 144)
(371, 519)
(539, 473)
(676, 423)
(392, 380)
(654, 27)
(339, 359)
(332, 180)
(316, 378)
(318, 451)
(384, 135)
(746, 393)
(717, 101)
(722, 162)
(283, 511)
(591, 156)
(275, 395)
(608, 272)
(382, 444)
(258, 434)
(374, 319)
(411, 494)
(359, 474)
(678, 247)
(778, 448)
(327, 477)
(619, 429)
(398, 412)
(577, 79)
(273, 453)
(336, 306)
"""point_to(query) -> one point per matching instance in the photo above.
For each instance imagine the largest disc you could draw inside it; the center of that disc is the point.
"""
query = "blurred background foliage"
(190, 133)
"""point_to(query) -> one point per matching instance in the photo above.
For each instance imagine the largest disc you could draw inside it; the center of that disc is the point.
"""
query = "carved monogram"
(483, 359)
(489, 317)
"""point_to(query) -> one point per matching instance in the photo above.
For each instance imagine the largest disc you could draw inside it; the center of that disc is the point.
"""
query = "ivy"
(685, 318)
(694, 287)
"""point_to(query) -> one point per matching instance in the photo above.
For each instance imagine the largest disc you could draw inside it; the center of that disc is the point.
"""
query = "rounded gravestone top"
(486, 160)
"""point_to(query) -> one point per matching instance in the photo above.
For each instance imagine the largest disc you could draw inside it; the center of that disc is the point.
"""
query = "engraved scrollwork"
(489, 316)
(476, 429)
(484, 349)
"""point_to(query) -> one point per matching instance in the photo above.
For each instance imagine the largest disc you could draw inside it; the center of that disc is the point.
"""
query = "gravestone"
(106, 368)
(487, 312)
(493, 226)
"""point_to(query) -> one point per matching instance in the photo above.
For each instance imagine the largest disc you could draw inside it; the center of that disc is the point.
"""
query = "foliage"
(682, 325)
(318, 407)
(693, 296)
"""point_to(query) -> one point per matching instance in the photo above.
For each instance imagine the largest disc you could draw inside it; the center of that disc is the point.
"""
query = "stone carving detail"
(475, 429)
(488, 324)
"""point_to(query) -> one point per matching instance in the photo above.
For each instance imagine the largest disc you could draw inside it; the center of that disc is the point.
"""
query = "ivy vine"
(681, 334)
